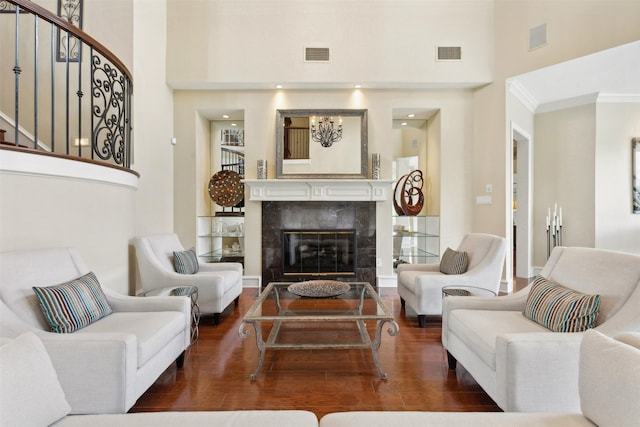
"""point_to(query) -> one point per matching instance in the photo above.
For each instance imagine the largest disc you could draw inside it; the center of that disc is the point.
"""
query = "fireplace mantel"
(376, 190)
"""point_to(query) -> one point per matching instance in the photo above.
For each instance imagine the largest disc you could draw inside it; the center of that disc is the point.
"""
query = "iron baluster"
(53, 88)
(35, 85)
(17, 71)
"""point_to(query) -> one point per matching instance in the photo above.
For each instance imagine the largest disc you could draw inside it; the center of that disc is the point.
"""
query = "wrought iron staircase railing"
(49, 110)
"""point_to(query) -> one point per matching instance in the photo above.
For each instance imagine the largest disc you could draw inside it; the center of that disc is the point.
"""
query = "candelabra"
(554, 229)
(326, 134)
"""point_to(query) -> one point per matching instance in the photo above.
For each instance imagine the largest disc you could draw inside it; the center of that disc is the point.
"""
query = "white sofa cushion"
(153, 330)
(30, 394)
(451, 419)
(592, 271)
(21, 270)
(480, 328)
(260, 418)
(609, 381)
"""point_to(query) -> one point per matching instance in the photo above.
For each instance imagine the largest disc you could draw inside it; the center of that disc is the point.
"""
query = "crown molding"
(521, 93)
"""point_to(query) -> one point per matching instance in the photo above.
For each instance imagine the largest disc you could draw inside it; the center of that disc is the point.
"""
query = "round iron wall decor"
(226, 189)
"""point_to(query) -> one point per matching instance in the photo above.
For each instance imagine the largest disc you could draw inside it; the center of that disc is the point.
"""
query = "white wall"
(564, 173)
(434, 166)
(583, 162)
(153, 120)
(51, 202)
(378, 42)
(616, 227)
(191, 108)
(575, 28)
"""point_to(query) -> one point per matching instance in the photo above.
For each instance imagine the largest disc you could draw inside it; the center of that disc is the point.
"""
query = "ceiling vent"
(316, 54)
(538, 36)
(448, 53)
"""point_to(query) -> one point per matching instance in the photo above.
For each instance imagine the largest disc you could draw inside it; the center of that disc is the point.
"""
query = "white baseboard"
(506, 286)
(252, 282)
(387, 281)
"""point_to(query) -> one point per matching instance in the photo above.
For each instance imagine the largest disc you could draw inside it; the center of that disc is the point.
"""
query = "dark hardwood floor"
(217, 368)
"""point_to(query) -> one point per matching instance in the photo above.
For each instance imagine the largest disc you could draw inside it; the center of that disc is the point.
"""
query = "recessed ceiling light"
(279, 86)
(225, 116)
(357, 86)
(411, 115)
(403, 123)
(234, 124)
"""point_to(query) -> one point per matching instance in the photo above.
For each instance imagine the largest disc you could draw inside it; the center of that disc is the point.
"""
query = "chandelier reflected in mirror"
(325, 132)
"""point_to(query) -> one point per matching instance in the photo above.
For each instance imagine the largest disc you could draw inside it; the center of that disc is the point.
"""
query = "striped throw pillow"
(560, 309)
(454, 262)
(73, 305)
(186, 262)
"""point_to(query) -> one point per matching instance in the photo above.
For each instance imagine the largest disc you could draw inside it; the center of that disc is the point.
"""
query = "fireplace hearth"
(357, 218)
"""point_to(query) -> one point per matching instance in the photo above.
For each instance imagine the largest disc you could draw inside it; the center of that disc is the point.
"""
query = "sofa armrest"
(97, 371)
(220, 266)
(417, 267)
(538, 371)
(119, 302)
(513, 302)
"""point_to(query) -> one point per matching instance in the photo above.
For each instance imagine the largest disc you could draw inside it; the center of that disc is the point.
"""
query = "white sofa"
(420, 285)
(30, 395)
(218, 284)
(609, 396)
(105, 366)
(521, 364)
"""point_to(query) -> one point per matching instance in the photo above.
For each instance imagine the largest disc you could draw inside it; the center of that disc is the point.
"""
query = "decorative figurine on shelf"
(408, 198)
(226, 188)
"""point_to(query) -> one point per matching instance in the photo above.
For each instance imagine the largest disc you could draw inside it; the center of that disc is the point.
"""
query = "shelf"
(219, 253)
(413, 234)
(222, 235)
(214, 244)
(416, 239)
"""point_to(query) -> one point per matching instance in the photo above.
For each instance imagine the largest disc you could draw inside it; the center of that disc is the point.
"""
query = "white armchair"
(420, 285)
(218, 283)
(105, 366)
(522, 365)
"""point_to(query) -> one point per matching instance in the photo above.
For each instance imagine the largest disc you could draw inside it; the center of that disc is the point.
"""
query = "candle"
(560, 218)
(547, 222)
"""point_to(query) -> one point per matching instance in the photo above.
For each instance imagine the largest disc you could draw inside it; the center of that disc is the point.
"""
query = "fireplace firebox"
(323, 253)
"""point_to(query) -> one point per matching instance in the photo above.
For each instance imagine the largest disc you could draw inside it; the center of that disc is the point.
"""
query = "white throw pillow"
(30, 394)
(609, 378)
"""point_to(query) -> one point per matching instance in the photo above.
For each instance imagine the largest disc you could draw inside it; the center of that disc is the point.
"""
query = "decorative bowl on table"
(319, 288)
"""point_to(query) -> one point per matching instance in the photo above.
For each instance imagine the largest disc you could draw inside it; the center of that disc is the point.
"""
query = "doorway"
(521, 218)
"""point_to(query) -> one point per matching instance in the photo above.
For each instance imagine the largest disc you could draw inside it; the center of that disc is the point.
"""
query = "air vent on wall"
(448, 53)
(316, 54)
(537, 36)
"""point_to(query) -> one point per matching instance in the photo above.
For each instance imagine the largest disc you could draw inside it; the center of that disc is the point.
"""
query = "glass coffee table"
(294, 322)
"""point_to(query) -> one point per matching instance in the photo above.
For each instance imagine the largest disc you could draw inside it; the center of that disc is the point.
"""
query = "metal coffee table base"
(366, 342)
(276, 306)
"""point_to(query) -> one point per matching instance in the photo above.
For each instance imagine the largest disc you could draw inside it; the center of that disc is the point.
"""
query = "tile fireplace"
(352, 259)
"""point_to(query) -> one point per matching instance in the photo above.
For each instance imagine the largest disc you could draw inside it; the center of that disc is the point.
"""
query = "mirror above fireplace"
(302, 153)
